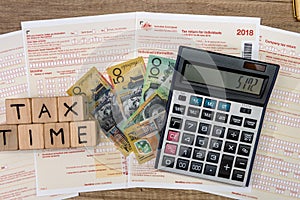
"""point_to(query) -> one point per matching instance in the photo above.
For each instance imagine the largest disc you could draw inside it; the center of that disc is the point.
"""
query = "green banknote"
(127, 80)
(159, 73)
(102, 105)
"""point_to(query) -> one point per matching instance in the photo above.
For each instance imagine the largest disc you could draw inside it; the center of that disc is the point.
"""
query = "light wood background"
(274, 13)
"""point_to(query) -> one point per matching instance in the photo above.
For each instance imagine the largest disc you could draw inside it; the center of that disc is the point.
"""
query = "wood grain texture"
(274, 13)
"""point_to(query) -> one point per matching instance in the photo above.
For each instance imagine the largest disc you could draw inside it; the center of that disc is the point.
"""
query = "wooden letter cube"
(31, 136)
(18, 111)
(44, 110)
(72, 108)
(84, 133)
(57, 135)
(8, 137)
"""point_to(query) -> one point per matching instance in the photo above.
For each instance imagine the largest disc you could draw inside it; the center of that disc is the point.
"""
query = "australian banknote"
(144, 137)
(102, 105)
(159, 73)
(127, 80)
(154, 105)
(144, 127)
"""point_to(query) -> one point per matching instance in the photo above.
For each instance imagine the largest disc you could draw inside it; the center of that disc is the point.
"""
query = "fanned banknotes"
(102, 106)
(127, 80)
(159, 73)
(143, 130)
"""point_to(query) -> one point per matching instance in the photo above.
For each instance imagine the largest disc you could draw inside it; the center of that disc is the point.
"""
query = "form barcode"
(247, 50)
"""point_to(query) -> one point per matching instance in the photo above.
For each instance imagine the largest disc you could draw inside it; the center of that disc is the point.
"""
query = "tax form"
(13, 73)
(58, 52)
(162, 34)
(276, 170)
(17, 172)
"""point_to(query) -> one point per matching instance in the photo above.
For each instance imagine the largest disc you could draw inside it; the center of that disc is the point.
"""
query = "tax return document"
(228, 35)
(85, 169)
(17, 170)
(276, 172)
(58, 53)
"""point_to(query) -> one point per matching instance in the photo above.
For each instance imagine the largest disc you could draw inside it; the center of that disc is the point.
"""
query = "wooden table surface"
(274, 13)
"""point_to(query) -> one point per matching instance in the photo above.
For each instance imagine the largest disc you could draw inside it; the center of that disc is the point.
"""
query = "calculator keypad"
(210, 138)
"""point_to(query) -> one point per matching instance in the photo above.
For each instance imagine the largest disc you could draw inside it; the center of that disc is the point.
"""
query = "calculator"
(214, 115)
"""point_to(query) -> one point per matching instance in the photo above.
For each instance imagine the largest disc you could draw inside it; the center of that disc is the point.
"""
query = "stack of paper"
(58, 52)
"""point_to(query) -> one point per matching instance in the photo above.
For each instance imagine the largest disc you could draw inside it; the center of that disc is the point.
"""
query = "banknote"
(144, 137)
(154, 105)
(144, 126)
(127, 80)
(159, 73)
(101, 101)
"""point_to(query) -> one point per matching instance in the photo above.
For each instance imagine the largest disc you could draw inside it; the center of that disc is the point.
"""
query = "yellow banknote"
(89, 85)
(127, 80)
(102, 106)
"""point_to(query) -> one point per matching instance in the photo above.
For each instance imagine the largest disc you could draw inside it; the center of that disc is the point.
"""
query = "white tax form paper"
(17, 170)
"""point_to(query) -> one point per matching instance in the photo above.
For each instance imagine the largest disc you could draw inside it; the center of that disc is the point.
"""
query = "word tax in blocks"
(50, 122)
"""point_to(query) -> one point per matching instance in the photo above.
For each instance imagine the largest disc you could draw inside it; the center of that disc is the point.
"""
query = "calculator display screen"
(223, 79)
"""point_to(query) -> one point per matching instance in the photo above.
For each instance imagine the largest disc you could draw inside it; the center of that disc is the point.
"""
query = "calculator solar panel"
(214, 115)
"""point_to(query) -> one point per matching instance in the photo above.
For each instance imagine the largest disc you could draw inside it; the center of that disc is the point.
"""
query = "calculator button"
(235, 120)
(218, 131)
(247, 137)
(201, 141)
(187, 139)
(225, 166)
(173, 136)
(207, 114)
(241, 163)
(204, 128)
(181, 98)
(199, 154)
(193, 112)
(182, 164)
(168, 161)
(185, 151)
(244, 150)
(196, 101)
(250, 123)
(245, 110)
(238, 175)
(223, 106)
(233, 134)
(178, 109)
(209, 103)
(170, 149)
(212, 157)
(196, 167)
(215, 144)
(190, 126)
(210, 170)
(221, 117)
(175, 123)
(230, 147)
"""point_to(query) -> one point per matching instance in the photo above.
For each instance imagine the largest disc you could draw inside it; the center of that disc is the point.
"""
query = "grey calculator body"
(214, 115)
